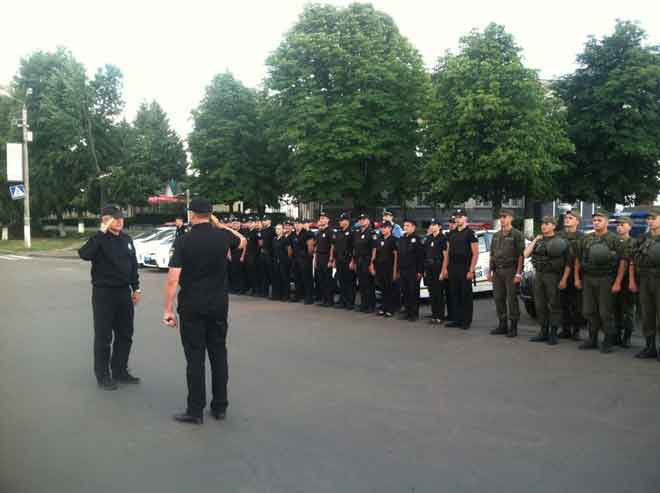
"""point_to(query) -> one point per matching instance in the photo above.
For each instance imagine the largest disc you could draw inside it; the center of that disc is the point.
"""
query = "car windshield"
(162, 235)
(145, 234)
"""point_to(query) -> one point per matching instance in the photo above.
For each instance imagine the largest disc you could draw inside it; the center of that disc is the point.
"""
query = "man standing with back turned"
(199, 266)
(116, 288)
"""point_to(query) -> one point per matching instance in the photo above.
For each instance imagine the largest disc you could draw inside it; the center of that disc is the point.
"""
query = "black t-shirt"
(201, 254)
(267, 236)
(460, 247)
(299, 243)
(411, 253)
(434, 248)
(343, 242)
(281, 248)
(323, 242)
(253, 238)
(364, 241)
(385, 248)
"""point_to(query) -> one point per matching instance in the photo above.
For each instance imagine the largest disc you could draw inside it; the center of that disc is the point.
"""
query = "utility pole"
(27, 137)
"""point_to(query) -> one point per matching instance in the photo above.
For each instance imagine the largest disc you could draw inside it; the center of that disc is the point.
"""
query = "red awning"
(166, 199)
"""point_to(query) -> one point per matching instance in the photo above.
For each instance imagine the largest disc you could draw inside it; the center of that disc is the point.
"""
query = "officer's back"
(202, 256)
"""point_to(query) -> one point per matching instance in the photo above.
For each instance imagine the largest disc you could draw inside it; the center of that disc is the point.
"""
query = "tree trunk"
(60, 225)
(497, 207)
(5, 233)
(528, 228)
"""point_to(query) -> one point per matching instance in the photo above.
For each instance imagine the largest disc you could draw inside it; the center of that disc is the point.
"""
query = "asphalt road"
(320, 401)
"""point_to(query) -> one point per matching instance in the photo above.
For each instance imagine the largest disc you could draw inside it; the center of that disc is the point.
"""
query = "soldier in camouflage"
(624, 302)
(599, 270)
(644, 275)
(551, 259)
(570, 298)
(506, 264)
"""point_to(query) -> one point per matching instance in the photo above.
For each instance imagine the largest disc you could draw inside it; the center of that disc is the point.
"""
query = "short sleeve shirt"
(201, 254)
(460, 247)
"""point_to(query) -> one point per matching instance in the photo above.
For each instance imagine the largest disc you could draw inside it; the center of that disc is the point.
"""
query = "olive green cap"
(549, 220)
(624, 220)
(654, 211)
(601, 212)
(506, 212)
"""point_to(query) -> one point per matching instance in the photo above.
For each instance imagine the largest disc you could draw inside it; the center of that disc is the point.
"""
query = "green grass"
(71, 242)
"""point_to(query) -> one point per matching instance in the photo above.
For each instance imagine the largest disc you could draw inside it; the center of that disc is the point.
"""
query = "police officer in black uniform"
(199, 267)
(181, 226)
(266, 256)
(281, 265)
(411, 269)
(364, 241)
(384, 266)
(252, 255)
(322, 263)
(302, 244)
(435, 250)
(115, 289)
(458, 268)
(342, 254)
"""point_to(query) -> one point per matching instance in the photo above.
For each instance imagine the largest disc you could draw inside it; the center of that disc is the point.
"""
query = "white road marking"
(13, 258)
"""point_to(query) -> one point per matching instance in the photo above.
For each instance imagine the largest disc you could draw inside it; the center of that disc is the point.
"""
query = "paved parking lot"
(320, 401)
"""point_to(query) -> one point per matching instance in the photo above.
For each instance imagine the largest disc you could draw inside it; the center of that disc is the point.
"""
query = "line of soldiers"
(581, 280)
(359, 260)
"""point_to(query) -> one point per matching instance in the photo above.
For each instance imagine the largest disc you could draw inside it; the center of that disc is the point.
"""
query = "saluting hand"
(216, 222)
(105, 225)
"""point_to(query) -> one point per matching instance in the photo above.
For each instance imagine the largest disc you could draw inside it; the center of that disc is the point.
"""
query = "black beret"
(201, 206)
(112, 210)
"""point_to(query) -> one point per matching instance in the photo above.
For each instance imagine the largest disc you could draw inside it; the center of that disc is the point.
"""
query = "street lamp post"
(27, 233)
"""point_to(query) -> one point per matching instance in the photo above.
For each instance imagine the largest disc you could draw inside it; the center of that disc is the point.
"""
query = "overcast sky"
(169, 51)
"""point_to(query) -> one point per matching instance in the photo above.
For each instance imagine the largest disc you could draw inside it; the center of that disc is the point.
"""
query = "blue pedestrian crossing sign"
(17, 192)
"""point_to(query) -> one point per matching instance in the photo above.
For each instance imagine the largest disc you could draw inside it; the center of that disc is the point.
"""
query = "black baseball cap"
(436, 221)
(386, 224)
(201, 206)
(411, 221)
(363, 216)
(344, 216)
(459, 212)
(452, 219)
(112, 210)
(324, 214)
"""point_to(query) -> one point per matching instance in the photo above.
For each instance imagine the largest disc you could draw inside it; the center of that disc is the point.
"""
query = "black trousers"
(410, 291)
(237, 274)
(201, 334)
(281, 278)
(113, 314)
(461, 294)
(304, 278)
(252, 271)
(326, 281)
(265, 267)
(385, 281)
(366, 284)
(436, 289)
(346, 278)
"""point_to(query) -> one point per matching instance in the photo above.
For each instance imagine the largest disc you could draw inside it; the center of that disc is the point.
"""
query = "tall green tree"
(72, 118)
(10, 211)
(493, 131)
(349, 90)
(613, 108)
(228, 146)
(152, 156)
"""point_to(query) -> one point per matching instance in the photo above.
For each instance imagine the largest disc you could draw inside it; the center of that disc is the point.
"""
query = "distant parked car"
(146, 246)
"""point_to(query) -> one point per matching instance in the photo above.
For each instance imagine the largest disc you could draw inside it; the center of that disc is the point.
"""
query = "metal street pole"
(27, 235)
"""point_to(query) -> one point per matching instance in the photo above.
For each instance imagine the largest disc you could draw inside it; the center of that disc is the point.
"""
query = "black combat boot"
(542, 336)
(649, 351)
(625, 340)
(552, 336)
(513, 329)
(565, 332)
(501, 329)
(591, 342)
(607, 346)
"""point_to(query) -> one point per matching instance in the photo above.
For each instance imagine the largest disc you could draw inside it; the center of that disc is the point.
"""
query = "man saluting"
(199, 266)
(115, 289)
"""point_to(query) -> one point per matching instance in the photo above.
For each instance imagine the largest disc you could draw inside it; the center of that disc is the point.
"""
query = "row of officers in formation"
(593, 282)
